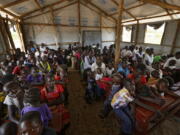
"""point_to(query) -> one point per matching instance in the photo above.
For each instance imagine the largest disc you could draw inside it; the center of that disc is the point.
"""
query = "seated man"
(31, 124)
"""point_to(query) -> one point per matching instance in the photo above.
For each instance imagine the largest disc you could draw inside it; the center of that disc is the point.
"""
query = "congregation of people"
(34, 92)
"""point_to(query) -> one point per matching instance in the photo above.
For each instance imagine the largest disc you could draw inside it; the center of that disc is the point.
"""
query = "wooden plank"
(151, 17)
(116, 3)
(162, 4)
(60, 8)
(38, 4)
(13, 3)
(99, 13)
(136, 6)
(119, 33)
(175, 37)
(9, 13)
(48, 6)
(63, 25)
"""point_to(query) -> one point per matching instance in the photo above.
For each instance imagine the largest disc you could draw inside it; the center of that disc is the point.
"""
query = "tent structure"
(62, 22)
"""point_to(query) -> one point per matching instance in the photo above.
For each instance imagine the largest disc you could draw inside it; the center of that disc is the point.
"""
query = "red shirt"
(143, 79)
(58, 89)
(16, 70)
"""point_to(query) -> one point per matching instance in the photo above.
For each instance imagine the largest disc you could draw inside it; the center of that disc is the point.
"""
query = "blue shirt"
(125, 71)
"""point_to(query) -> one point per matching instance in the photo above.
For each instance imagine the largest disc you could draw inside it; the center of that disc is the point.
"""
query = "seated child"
(98, 74)
(9, 128)
(32, 103)
(35, 78)
(116, 86)
(2, 97)
(120, 104)
(13, 100)
(155, 75)
(31, 124)
(109, 70)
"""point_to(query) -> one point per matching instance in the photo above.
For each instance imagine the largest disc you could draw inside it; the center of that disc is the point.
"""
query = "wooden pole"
(100, 18)
(137, 32)
(119, 33)
(55, 27)
(163, 34)
(79, 21)
(175, 37)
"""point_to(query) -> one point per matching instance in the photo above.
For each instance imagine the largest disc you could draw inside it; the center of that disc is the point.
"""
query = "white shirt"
(11, 101)
(94, 67)
(149, 59)
(109, 72)
(87, 61)
(177, 62)
(98, 76)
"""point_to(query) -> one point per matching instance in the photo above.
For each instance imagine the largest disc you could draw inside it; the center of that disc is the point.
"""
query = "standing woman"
(13, 100)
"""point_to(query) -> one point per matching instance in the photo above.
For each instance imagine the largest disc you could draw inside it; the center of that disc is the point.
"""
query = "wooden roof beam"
(162, 4)
(151, 17)
(97, 12)
(38, 4)
(9, 13)
(13, 3)
(102, 11)
(47, 6)
(116, 3)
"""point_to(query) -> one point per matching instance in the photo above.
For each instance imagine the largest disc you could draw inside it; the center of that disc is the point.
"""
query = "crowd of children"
(33, 86)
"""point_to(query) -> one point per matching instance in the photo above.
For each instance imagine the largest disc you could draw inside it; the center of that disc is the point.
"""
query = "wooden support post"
(79, 21)
(9, 34)
(137, 32)
(175, 37)
(119, 33)
(163, 34)
(55, 26)
(100, 19)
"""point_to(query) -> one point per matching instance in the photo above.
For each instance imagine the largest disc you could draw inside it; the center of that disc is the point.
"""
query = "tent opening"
(16, 37)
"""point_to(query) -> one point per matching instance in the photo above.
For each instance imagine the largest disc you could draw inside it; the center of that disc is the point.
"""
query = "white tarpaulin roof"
(109, 7)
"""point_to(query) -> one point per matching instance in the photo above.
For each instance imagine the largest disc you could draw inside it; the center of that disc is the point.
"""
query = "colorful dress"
(61, 116)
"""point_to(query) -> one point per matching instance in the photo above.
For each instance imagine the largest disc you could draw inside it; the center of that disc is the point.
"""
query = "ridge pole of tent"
(118, 33)
(79, 21)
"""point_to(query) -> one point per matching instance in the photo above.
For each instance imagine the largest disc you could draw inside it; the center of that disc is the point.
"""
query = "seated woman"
(32, 103)
(35, 78)
(53, 95)
(13, 100)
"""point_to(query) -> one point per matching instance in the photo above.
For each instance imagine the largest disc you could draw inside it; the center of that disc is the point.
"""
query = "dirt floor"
(85, 120)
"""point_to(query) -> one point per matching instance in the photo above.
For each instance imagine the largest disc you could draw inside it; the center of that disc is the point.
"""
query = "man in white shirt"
(98, 64)
(88, 61)
(176, 58)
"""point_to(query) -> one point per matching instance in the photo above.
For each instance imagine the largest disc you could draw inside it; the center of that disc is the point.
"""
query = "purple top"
(43, 110)
(31, 78)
